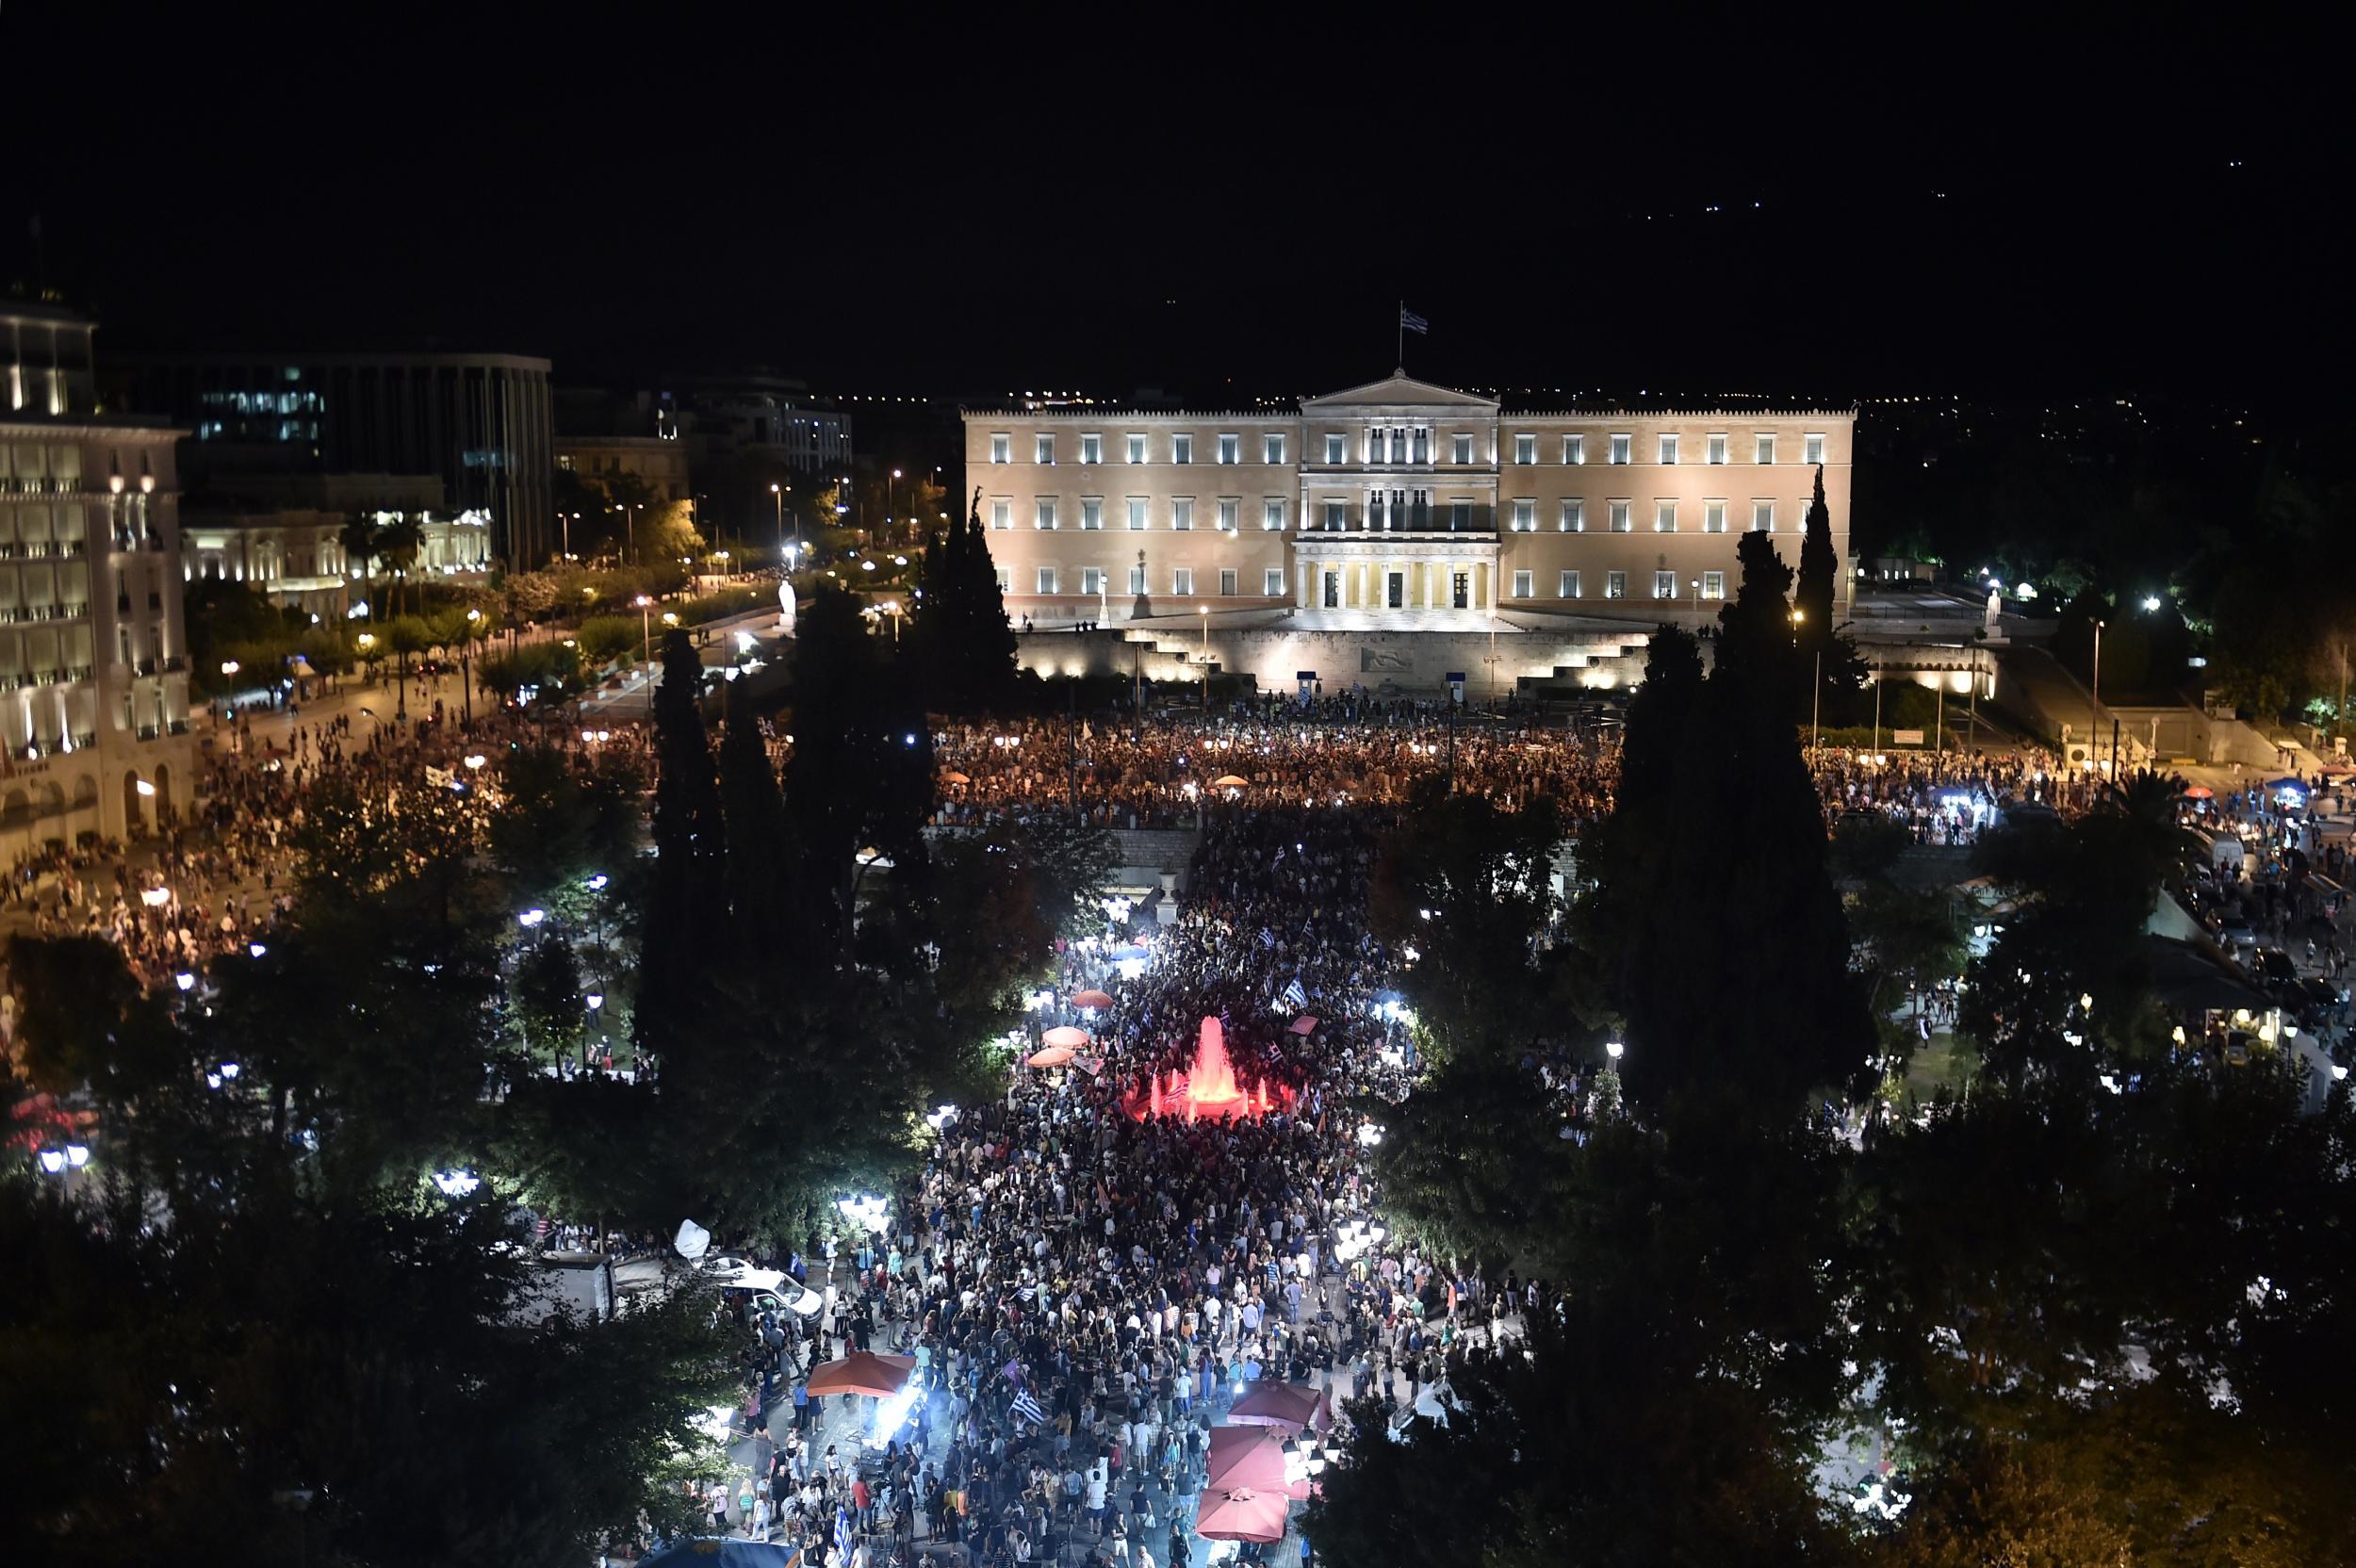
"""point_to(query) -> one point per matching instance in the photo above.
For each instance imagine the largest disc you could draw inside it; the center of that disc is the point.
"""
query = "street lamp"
(1614, 1050)
(645, 636)
(465, 662)
(2094, 702)
(229, 666)
(629, 527)
(1205, 611)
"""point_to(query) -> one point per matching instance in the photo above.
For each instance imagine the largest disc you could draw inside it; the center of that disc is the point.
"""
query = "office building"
(480, 423)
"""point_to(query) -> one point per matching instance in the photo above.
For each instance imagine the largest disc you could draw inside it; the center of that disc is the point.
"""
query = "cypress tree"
(1819, 566)
(755, 872)
(684, 901)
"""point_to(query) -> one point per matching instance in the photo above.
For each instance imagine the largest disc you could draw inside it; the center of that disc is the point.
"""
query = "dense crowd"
(1158, 774)
(1087, 1285)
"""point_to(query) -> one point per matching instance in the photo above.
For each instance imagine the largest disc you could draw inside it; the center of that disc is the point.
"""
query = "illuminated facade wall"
(1396, 499)
(93, 666)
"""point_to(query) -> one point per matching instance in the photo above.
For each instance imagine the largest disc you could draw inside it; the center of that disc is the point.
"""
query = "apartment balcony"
(176, 662)
(178, 726)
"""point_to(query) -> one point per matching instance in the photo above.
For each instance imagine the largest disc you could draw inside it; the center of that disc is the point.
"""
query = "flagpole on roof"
(1401, 361)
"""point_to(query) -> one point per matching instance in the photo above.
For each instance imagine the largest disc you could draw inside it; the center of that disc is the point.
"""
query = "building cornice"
(1386, 410)
(112, 427)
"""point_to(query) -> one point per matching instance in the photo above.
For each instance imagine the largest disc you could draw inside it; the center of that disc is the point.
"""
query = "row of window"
(1620, 516)
(1391, 511)
(1414, 445)
(1093, 579)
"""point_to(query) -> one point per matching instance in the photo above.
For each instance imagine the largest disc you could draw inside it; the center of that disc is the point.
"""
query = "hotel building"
(1398, 505)
(93, 655)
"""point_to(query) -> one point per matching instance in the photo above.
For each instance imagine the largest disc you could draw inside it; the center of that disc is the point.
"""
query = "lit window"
(1664, 585)
(1181, 579)
(1334, 445)
(1046, 445)
(1005, 578)
(1046, 512)
(1762, 516)
(1524, 586)
(1092, 449)
(1717, 449)
(1136, 448)
(1623, 449)
(1573, 518)
(1181, 449)
(1574, 451)
(1136, 579)
(1001, 512)
(1463, 448)
(1047, 580)
(1812, 449)
(1227, 582)
(1765, 456)
(1615, 585)
(1668, 449)
(1525, 449)
(1622, 522)
(1525, 516)
(1091, 512)
(1002, 449)
(1272, 514)
(1272, 582)
(1569, 586)
(1271, 450)
(1230, 449)
(1713, 516)
(1713, 585)
(1664, 517)
(1228, 509)
(1337, 516)
(1091, 579)
(1182, 514)
(1136, 514)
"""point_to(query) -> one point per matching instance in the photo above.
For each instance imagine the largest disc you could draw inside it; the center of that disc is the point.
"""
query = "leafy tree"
(1469, 886)
(367, 1358)
(1475, 1168)
(547, 996)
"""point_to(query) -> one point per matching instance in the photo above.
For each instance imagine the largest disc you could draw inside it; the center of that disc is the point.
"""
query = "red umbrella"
(1268, 1404)
(1097, 1000)
(863, 1372)
(1243, 1514)
(2199, 791)
(1304, 1024)
(1055, 1056)
(1064, 1033)
(1245, 1457)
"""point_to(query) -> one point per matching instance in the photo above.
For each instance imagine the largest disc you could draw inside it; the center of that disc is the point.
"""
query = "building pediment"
(1398, 390)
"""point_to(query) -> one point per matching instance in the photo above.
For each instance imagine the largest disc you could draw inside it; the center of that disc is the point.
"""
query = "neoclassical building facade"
(1398, 504)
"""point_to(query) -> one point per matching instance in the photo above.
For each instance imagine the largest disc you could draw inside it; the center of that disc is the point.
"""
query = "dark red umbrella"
(1245, 1457)
(863, 1372)
(1267, 1404)
(1243, 1514)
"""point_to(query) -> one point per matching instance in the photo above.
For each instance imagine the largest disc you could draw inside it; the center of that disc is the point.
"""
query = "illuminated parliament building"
(1391, 509)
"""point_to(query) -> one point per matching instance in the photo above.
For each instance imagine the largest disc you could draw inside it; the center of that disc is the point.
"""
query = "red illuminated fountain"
(1207, 1089)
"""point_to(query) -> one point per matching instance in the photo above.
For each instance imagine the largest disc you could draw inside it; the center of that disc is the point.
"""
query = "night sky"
(1054, 200)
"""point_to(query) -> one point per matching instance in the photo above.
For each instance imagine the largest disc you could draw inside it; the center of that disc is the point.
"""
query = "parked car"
(738, 1274)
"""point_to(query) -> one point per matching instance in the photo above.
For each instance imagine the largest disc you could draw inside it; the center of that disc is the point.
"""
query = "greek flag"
(1410, 321)
(1028, 1408)
(842, 1536)
(1294, 996)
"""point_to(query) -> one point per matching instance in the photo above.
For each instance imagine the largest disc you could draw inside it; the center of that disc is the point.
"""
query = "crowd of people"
(1088, 1286)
